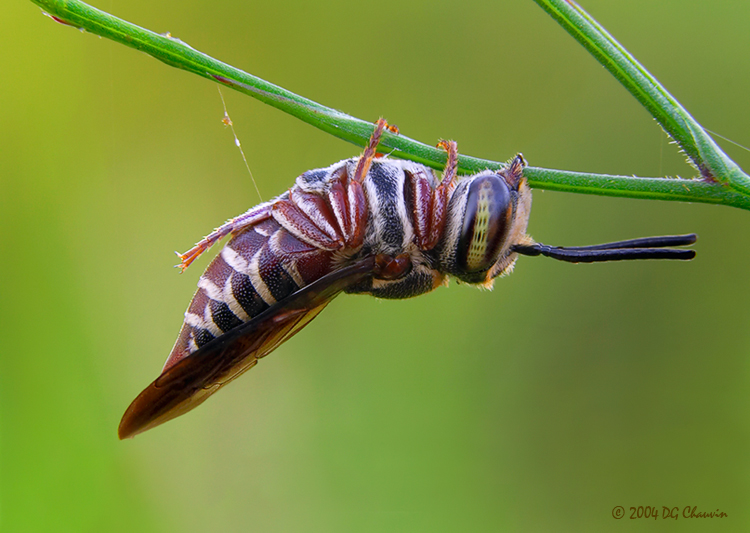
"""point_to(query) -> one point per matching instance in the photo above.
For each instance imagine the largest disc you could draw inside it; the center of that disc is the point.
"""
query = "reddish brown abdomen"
(260, 266)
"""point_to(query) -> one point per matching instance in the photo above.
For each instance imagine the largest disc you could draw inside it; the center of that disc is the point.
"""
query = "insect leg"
(440, 197)
(420, 204)
(367, 156)
(299, 223)
(357, 214)
(391, 268)
(253, 216)
(349, 197)
(513, 171)
(449, 174)
(347, 200)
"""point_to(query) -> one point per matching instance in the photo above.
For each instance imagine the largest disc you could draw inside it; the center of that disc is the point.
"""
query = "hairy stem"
(708, 158)
(723, 182)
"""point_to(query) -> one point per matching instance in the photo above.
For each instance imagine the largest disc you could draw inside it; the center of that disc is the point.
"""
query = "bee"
(365, 225)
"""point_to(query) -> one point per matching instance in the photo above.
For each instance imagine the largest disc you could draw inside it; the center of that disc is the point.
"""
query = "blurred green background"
(540, 406)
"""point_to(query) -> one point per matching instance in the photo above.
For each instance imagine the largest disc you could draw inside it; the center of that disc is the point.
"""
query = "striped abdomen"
(260, 266)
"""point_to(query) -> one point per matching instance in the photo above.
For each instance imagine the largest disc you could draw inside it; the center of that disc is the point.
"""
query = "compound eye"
(487, 221)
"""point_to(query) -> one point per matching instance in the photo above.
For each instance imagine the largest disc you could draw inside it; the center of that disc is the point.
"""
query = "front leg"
(431, 205)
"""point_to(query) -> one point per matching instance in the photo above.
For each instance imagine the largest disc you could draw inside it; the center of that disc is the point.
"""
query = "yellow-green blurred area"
(540, 406)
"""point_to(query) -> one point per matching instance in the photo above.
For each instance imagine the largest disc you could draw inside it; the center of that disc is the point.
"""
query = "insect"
(364, 225)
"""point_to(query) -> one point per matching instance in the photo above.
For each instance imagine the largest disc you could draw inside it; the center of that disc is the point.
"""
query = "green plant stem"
(712, 190)
(680, 190)
(710, 160)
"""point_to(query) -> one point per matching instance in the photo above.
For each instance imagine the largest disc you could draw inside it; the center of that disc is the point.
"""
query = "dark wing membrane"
(188, 383)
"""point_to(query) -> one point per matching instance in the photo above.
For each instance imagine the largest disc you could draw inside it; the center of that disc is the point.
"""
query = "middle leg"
(347, 196)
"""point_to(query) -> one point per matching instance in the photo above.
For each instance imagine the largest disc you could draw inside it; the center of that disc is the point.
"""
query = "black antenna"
(647, 248)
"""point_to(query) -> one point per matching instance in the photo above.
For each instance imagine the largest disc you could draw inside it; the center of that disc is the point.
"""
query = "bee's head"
(487, 214)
